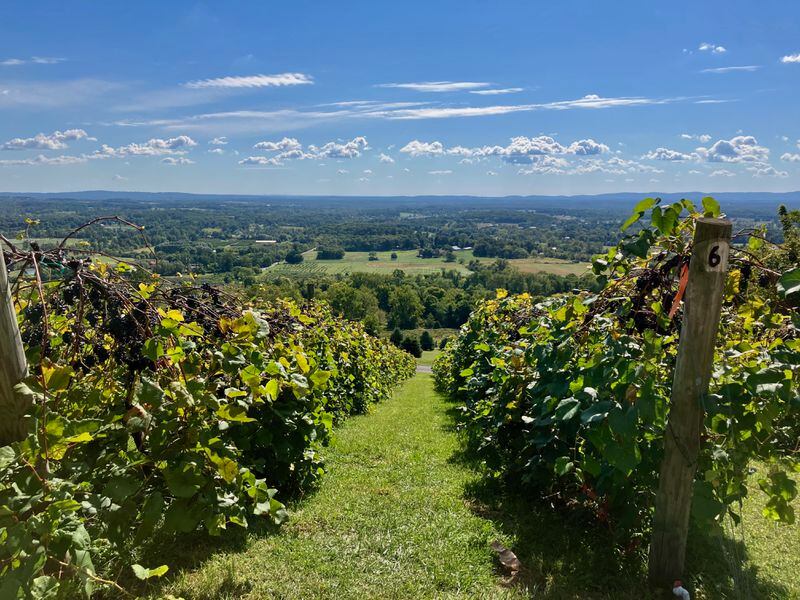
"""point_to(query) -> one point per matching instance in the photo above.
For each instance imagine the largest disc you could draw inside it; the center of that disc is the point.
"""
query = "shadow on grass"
(188, 552)
(722, 568)
(567, 554)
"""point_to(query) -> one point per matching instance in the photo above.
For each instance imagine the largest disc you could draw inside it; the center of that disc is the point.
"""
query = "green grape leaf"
(711, 207)
(144, 574)
(789, 283)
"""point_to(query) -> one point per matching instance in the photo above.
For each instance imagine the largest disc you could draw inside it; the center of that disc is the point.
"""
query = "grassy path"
(389, 521)
(399, 516)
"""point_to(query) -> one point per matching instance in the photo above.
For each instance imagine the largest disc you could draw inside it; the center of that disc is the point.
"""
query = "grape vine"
(570, 396)
(162, 408)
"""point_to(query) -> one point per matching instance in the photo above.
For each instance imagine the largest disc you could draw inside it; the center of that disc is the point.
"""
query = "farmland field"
(407, 261)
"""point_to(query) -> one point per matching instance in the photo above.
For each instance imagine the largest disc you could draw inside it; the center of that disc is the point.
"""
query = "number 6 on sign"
(716, 255)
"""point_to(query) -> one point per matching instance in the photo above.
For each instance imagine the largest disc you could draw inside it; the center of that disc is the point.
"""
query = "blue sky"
(373, 98)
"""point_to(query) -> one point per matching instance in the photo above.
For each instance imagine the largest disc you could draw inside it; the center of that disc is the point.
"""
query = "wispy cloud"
(53, 94)
(732, 69)
(230, 122)
(703, 137)
(33, 60)
(41, 159)
(174, 161)
(497, 91)
(588, 101)
(253, 81)
(441, 172)
(791, 58)
(437, 86)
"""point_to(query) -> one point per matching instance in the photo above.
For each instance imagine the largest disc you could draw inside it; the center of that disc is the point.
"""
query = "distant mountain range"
(741, 201)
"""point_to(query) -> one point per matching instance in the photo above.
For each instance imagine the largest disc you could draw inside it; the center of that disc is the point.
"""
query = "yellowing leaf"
(56, 377)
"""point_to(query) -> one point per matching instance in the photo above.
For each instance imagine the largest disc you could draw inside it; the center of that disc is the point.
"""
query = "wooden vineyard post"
(13, 367)
(703, 304)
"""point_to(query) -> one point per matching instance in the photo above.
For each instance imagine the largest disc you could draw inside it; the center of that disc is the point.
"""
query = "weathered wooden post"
(703, 304)
(13, 368)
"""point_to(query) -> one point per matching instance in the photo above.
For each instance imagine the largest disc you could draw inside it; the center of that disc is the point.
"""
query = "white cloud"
(153, 147)
(437, 86)
(546, 165)
(586, 148)
(703, 137)
(667, 154)
(441, 172)
(219, 141)
(367, 171)
(292, 149)
(180, 160)
(722, 173)
(742, 148)
(351, 149)
(282, 145)
(786, 156)
(791, 58)
(342, 172)
(713, 48)
(260, 161)
(385, 158)
(765, 170)
(491, 173)
(417, 148)
(497, 91)
(252, 81)
(732, 69)
(216, 151)
(119, 178)
(41, 141)
(630, 166)
(521, 149)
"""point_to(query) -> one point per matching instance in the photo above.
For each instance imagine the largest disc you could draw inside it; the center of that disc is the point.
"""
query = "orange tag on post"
(681, 289)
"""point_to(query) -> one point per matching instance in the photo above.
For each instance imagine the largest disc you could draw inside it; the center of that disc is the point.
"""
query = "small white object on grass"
(680, 591)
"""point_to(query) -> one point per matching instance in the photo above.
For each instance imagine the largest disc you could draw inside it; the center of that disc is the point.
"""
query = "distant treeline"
(221, 236)
(403, 301)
